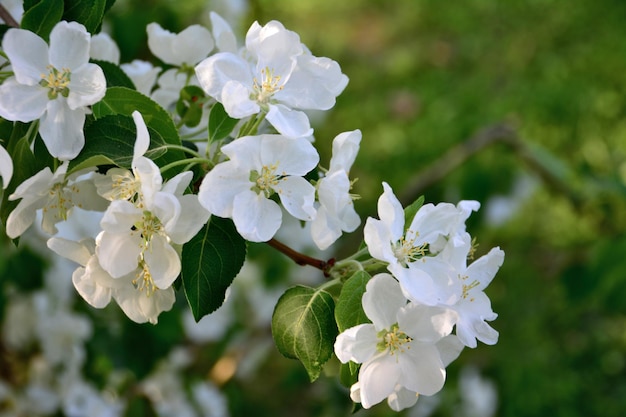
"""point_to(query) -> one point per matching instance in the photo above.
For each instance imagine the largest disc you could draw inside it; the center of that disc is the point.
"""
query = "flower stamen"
(56, 81)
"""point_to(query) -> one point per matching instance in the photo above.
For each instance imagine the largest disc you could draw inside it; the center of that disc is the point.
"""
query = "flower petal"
(357, 344)
(422, 369)
(257, 218)
(220, 187)
(289, 122)
(382, 300)
(28, 54)
(297, 196)
(378, 378)
(215, 71)
(22, 103)
(345, 149)
(62, 129)
(163, 261)
(87, 87)
(118, 253)
(291, 156)
(6, 167)
(69, 45)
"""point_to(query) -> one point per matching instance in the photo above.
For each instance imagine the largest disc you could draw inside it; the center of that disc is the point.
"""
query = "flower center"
(467, 287)
(269, 85)
(393, 340)
(56, 81)
(124, 186)
(265, 181)
(406, 251)
(148, 227)
(143, 280)
(59, 200)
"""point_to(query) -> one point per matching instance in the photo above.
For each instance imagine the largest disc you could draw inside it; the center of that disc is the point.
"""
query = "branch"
(452, 159)
(8, 19)
(302, 259)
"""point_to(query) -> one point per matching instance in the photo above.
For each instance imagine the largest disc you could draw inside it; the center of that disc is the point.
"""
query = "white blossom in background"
(143, 74)
(54, 84)
(479, 395)
(335, 212)
(15, 9)
(182, 50)
(403, 351)
(274, 74)
(55, 195)
(104, 48)
(259, 167)
(81, 399)
(225, 39)
(6, 167)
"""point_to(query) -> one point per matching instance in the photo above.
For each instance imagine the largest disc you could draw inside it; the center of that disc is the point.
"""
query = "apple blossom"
(274, 75)
(104, 48)
(54, 84)
(399, 350)
(55, 195)
(336, 213)
(259, 167)
(143, 74)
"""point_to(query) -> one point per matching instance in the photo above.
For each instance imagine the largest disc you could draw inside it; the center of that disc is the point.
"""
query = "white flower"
(276, 76)
(336, 210)
(143, 74)
(259, 167)
(185, 48)
(97, 287)
(55, 195)
(6, 167)
(405, 348)
(225, 39)
(140, 228)
(53, 84)
(169, 85)
(467, 296)
(104, 48)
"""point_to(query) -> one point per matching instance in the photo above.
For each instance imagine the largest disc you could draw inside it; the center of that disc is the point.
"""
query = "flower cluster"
(184, 166)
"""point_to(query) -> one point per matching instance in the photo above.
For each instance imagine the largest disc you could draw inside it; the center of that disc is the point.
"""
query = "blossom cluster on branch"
(190, 162)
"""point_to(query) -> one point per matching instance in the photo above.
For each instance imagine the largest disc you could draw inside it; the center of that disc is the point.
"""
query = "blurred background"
(519, 105)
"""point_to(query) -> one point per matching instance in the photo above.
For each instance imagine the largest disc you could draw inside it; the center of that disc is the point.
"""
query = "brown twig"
(302, 259)
(8, 19)
(452, 159)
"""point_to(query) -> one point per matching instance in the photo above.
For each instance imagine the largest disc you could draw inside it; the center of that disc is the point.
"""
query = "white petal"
(74, 251)
(22, 216)
(345, 149)
(36, 186)
(142, 142)
(104, 48)
(143, 75)
(166, 208)
(148, 173)
(246, 151)
(6, 167)
(257, 218)
(390, 211)
(193, 217)
(378, 239)
(325, 229)
(357, 344)
(449, 348)
(291, 156)
(120, 217)
(187, 47)
(22, 103)
(215, 71)
(378, 378)
(417, 285)
(220, 186)
(402, 398)
(88, 283)
(28, 54)
(426, 324)
(382, 300)
(69, 45)
(178, 184)
(297, 196)
(422, 369)
(235, 97)
(289, 122)
(485, 268)
(62, 129)
(84, 195)
(225, 39)
(87, 87)
(163, 261)
(118, 253)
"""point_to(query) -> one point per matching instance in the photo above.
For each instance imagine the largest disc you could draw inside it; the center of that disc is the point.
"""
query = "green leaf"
(190, 105)
(349, 311)
(411, 210)
(123, 101)
(40, 17)
(220, 123)
(304, 328)
(111, 140)
(210, 262)
(114, 75)
(87, 12)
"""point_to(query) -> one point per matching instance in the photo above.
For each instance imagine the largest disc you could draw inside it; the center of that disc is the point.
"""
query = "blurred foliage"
(425, 76)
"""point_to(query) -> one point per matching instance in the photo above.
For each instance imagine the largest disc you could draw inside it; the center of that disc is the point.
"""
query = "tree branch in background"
(8, 19)
(300, 258)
